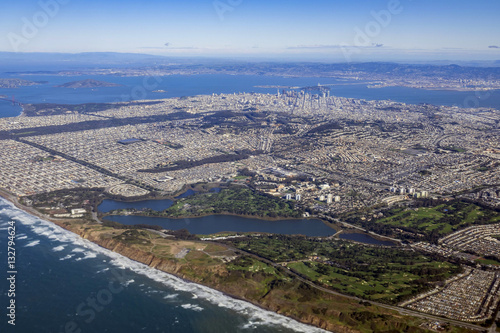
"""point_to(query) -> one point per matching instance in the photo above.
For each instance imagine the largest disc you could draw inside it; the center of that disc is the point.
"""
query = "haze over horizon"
(377, 30)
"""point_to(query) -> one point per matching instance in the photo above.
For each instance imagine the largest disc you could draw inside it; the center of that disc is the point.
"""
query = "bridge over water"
(13, 100)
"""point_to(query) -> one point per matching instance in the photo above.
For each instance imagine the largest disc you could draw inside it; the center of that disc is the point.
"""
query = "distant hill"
(89, 83)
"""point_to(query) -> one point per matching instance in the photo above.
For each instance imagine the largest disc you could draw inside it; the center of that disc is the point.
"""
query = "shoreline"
(13, 199)
(181, 277)
(18, 115)
(174, 197)
(329, 321)
(434, 88)
(154, 262)
(326, 222)
(334, 226)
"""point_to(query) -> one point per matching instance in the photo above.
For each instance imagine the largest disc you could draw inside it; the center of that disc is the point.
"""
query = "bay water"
(139, 87)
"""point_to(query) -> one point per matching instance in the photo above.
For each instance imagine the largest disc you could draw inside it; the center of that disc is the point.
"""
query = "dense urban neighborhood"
(422, 177)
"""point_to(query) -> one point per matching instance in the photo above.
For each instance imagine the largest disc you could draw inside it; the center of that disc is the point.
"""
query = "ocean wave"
(69, 256)
(171, 296)
(127, 283)
(256, 315)
(58, 248)
(192, 307)
(33, 243)
(250, 325)
(88, 255)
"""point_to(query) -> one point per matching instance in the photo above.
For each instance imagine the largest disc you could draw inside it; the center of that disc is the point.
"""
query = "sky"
(283, 29)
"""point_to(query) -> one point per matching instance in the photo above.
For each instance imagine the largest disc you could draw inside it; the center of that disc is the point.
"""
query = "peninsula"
(417, 174)
(377, 75)
(16, 83)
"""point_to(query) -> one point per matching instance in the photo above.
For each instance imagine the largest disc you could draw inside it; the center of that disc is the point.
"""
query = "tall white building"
(329, 198)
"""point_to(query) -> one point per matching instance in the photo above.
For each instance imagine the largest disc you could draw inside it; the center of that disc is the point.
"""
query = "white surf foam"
(127, 283)
(103, 270)
(88, 255)
(33, 243)
(171, 296)
(69, 256)
(192, 307)
(249, 325)
(58, 248)
(257, 316)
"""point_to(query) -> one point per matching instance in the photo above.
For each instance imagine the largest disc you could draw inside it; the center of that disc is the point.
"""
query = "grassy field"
(384, 274)
(488, 262)
(237, 200)
(439, 220)
(249, 278)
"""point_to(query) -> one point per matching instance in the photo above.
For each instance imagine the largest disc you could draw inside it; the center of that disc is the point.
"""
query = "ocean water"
(138, 88)
(67, 284)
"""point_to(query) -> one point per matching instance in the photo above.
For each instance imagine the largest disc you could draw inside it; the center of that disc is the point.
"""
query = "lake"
(60, 273)
(159, 205)
(218, 223)
(364, 238)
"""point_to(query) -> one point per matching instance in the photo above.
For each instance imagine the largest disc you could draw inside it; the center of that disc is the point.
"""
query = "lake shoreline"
(148, 259)
(263, 218)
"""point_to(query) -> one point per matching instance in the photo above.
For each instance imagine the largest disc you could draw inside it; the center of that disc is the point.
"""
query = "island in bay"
(423, 179)
(88, 83)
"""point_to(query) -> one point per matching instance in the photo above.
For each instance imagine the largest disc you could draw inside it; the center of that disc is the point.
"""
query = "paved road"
(493, 327)
(94, 217)
(400, 310)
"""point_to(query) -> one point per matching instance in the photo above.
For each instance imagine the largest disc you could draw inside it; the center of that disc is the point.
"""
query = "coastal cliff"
(214, 277)
(267, 287)
(241, 276)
